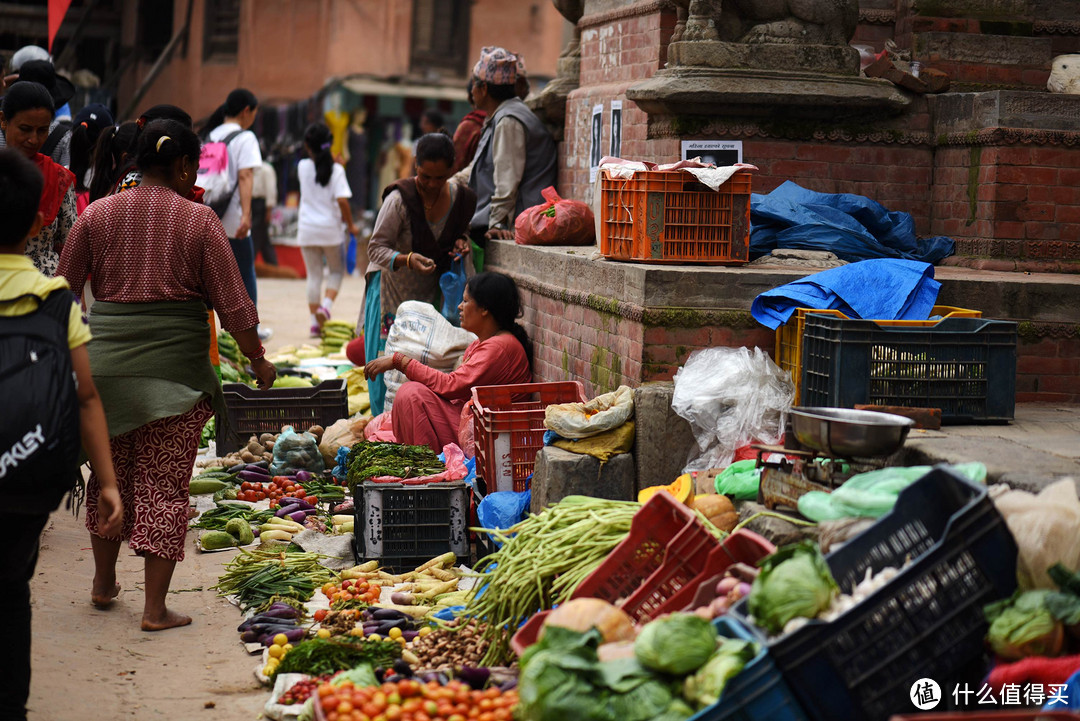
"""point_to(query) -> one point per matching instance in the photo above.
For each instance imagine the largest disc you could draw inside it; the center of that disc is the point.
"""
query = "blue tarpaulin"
(882, 289)
(851, 226)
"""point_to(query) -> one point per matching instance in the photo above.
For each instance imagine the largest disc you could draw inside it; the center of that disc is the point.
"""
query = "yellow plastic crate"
(789, 337)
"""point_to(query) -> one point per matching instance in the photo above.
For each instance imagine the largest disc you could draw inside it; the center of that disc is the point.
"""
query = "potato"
(266, 438)
(247, 456)
(256, 448)
(316, 431)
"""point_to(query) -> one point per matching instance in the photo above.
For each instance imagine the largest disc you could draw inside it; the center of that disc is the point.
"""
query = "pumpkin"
(682, 489)
(713, 504)
(582, 614)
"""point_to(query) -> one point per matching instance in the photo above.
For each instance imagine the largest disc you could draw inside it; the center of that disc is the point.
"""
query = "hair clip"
(161, 140)
(325, 146)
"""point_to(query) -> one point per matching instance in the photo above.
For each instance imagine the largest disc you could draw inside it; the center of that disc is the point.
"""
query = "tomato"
(245, 486)
(393, 713)
(371, 710)
(345, 706)
(310, 499)
(320, 615)
(301, 493)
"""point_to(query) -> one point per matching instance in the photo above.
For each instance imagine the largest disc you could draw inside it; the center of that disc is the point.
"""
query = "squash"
(682, 489)
(726, 521)
(713, 504)
(582, 614)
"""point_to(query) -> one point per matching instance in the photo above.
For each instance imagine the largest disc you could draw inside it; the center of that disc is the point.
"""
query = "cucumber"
(216, 540)
(199, 486)
(275, 536)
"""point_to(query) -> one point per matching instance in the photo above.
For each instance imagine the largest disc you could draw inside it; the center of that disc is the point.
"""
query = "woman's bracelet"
(400, 362)
(258, 354)
(408, 261)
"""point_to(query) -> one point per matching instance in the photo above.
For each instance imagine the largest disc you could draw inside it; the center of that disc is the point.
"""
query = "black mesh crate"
(964, 366)
(252, 412)
(402, 526)
(954, 554)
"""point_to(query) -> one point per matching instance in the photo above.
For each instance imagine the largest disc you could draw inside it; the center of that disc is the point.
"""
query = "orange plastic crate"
(789, 337)
(671, 217)
(508, 425)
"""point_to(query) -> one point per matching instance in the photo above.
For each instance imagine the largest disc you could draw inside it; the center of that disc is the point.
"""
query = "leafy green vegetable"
(704, 687)
(1023, 626)
(795, 582)
(562, 677)
(1065, 579)
(676, 644)
(325, 656)
(370, 459)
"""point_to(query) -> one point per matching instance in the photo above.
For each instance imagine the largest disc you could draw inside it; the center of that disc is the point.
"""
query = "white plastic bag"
(1046, 527)
(421, 333)
(731, 397)
(583, 420)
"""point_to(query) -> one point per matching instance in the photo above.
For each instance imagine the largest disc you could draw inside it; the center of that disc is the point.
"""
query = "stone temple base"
(685, 90)
(824, 59)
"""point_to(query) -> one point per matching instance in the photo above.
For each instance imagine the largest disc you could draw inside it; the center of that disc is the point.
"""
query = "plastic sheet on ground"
(877, 289)
(851, 226)
(503, 509)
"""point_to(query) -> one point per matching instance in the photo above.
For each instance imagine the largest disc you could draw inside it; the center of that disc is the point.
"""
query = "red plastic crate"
(686, 567)
(508, 424)
(665, 216)
(659, 565)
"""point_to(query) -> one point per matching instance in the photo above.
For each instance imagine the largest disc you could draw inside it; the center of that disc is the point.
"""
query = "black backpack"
(62, 128)
(39, 429)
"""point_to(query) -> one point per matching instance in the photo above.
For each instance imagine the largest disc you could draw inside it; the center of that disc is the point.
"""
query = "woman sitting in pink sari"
(427, 409)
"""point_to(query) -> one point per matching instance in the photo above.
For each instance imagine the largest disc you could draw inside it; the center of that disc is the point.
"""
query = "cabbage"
(794, 582)
(1023, 626)
(704, 687)
(677, 644)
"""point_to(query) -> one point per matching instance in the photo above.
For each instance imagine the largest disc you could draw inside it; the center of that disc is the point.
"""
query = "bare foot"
(171, 619)
(104, 599)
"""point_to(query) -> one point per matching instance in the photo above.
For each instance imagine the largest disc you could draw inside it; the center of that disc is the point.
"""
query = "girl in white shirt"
(324, 217)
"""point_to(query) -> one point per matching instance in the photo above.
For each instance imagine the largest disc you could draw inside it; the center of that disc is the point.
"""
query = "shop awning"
(364, 85)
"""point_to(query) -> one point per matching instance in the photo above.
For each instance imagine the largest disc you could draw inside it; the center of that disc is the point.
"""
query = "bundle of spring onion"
(256, 576)
(541, 562)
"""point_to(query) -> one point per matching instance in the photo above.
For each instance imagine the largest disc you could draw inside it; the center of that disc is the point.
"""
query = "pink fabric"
(147, 245)
(427, 409)
(153, 468)
(380, 429)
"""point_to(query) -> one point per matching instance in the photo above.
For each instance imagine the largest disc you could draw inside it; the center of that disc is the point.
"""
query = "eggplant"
(508, 685)
(370, 628)
(283, 605)
(477, 678)
(252, 477)
(303, 476)
(402, 668)
(380, 673)
(294, 635)
(387, 614)
(232, 470)
(410, 635)
(286, 510)
(304, 505)
(264, 465)
(298, 516)
(250, 636)
(385, 626)
(391, 678)
(280, 611)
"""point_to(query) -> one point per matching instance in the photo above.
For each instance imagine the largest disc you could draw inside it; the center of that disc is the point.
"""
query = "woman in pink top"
(427, 409)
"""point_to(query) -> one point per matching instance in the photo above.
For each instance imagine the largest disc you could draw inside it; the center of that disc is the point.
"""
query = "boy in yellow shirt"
(30, 447)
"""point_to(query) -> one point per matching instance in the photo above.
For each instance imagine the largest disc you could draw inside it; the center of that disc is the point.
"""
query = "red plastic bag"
(556, 222)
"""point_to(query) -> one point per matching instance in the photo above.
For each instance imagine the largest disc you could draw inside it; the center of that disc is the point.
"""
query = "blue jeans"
(244, 250)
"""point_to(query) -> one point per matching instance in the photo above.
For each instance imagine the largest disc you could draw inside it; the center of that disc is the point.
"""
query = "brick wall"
(1048, 369)
(666, 349)
(1014, 201)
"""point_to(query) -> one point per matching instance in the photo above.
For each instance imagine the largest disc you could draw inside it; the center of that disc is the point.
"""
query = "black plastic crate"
(964, 366)
(252, 412)
(404, 525)
(927, 622)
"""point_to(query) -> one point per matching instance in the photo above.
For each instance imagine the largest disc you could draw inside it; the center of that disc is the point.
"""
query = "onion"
(582, 614)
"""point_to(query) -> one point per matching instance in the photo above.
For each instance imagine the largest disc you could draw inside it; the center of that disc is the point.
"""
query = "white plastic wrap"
(731, 397)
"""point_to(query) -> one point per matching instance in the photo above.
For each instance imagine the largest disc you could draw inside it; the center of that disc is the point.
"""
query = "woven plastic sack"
(556, 222)
(582, 420)
(421, 333)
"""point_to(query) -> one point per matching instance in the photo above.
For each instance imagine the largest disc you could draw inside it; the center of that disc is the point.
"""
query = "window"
(155, 27)
(222, 31)
(440, 36)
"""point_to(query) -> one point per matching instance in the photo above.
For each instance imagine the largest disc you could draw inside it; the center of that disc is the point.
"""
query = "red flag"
(57, 10)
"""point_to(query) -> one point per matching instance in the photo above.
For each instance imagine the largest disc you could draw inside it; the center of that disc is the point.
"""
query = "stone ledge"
(707, 294)
(979, 114)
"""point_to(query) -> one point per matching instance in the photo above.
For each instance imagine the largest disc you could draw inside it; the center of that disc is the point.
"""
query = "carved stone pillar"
(550, 103)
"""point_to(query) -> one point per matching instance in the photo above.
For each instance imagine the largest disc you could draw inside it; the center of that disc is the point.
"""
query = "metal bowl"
(850, 433)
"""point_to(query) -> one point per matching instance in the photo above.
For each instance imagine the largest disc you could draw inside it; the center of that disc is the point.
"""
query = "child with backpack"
(324, 217)
(51, 405)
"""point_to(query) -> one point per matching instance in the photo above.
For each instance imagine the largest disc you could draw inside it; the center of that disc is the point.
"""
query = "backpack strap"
(228, 200)
(62, 128)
